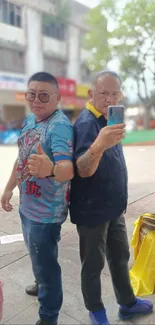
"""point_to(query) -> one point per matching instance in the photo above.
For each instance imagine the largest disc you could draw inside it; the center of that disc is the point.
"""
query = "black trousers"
(110, 240)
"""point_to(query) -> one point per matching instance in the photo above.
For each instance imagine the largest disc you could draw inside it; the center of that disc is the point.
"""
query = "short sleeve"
(62, 142)
(85, 134)
(28, 121)
(24, 123)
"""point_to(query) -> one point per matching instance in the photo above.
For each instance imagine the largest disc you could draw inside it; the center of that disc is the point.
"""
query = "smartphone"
(115, 115)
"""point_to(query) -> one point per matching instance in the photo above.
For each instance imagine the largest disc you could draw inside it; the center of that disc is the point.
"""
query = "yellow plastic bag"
(142, 274)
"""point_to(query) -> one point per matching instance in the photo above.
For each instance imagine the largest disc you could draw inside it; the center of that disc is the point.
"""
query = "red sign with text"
(67, 87)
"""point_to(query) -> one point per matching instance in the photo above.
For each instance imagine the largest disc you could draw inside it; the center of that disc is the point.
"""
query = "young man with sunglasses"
(42, 172)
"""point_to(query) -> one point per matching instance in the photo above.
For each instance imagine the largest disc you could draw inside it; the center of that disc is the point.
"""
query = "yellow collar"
(92, 109)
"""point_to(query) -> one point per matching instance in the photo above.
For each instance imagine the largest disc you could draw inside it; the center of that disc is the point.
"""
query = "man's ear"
(90, 95)
(59, 97)
(121, 96)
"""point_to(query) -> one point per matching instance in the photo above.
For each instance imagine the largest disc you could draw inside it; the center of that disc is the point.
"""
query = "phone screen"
(115, 115)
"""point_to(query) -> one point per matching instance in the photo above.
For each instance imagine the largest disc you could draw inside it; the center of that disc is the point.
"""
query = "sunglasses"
(43, 97)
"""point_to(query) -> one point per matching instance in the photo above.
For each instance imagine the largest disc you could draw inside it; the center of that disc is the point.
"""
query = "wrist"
(97, 148)
(53, 170)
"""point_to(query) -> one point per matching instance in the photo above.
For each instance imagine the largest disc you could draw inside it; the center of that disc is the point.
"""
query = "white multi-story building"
(31, 42)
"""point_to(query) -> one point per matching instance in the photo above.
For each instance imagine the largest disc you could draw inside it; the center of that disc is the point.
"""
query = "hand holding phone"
(110, 136)
(116, 115)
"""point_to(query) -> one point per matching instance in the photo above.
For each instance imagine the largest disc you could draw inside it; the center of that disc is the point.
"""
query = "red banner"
(67, 87)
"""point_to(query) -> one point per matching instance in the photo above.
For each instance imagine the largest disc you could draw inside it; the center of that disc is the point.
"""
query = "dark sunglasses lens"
(44, 98)
(30, 96)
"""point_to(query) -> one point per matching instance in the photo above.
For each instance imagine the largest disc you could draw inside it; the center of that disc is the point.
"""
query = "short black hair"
(106, 73)
(44, 77)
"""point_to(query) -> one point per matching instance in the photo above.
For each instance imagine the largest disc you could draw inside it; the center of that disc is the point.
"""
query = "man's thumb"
(40, 150)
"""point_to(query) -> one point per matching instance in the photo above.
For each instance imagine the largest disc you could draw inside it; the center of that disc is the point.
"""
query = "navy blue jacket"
(103, 196)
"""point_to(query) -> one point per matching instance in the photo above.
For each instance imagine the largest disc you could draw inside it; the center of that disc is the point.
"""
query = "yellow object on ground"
(142, 274)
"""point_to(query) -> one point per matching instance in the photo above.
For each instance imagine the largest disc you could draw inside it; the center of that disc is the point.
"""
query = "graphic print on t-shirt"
(26, 142)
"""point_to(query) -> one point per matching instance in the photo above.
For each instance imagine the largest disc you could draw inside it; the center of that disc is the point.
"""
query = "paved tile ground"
(15, 267)
(15, 271)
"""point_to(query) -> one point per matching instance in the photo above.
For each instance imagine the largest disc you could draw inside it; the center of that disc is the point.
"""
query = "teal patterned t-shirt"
(44, 200)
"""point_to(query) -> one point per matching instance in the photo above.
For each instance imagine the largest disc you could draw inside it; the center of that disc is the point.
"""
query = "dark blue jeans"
(42, 243)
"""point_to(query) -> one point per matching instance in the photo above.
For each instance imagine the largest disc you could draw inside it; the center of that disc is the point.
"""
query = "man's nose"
(37, 100)
(110, 99)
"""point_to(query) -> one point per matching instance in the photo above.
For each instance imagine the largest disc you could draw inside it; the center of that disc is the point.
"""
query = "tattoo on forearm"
(85, 161)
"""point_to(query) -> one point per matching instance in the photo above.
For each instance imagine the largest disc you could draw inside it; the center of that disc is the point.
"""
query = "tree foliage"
(125, 33)
(62, 13)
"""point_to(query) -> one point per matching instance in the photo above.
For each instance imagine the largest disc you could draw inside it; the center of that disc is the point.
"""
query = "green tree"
(131, 41)
(97, 39)
(61, 15)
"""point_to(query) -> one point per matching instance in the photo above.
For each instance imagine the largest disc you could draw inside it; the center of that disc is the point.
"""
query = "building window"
(85, 73)
(10, 13)
(56, 67)
(12, 60)
(55, 30)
